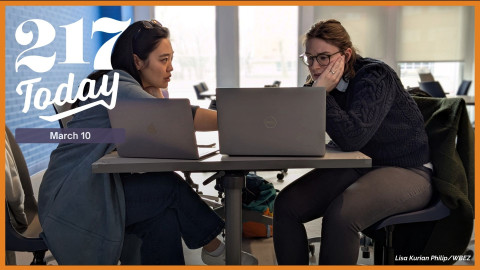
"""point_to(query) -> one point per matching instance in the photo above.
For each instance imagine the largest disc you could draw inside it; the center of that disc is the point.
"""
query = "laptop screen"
(287, 121)
(155, 128)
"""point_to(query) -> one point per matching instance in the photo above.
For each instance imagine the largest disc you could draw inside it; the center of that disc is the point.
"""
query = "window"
(448, 74)
(433, 39)
(432, 33)
(268, 45)
(192, 33)
(363, 24)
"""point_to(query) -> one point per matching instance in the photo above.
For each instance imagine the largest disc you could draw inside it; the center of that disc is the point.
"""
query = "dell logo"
(270, 122)
(151, 129)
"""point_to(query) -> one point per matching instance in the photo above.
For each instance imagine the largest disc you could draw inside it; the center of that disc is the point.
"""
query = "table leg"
(233, 182)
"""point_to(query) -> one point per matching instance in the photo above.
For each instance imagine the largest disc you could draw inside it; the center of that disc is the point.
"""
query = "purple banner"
(70, 135)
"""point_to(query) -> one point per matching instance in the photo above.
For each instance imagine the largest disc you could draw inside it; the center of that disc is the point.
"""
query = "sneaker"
(247, 258)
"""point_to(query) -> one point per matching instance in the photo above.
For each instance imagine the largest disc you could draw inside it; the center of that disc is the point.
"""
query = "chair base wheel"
(469, 252)
(39, 258)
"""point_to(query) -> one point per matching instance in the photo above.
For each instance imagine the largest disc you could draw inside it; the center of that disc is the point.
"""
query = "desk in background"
(469, 100)
(233, 180)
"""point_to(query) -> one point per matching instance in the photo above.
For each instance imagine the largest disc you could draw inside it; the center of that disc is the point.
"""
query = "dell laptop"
(286, 121)
(157, 128)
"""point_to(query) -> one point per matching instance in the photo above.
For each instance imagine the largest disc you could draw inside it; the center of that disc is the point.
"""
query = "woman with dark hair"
(367, 110)
(86, 216)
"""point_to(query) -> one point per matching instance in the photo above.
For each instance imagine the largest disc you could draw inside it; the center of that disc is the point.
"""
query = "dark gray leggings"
(349, 200)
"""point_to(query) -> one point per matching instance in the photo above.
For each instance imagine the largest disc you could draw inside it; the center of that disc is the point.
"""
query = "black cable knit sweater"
(376, 116)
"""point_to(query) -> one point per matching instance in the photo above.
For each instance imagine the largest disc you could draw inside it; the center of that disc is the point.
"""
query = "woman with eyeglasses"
(85, 217)
(367, 110)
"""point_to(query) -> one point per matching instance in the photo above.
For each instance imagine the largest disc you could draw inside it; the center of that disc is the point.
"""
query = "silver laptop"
(288, 121)
(157, 128)
(426, 77)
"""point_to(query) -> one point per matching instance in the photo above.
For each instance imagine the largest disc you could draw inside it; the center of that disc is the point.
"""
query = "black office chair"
(29, 239)
(204, 87)
(438, 113)
(274, 84)
(433, 88)
(420, 224)
(201, 90)
(384, 252)
(463, 88)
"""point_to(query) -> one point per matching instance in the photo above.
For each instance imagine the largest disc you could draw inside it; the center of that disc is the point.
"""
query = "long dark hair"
(140, 38)
(333, 32)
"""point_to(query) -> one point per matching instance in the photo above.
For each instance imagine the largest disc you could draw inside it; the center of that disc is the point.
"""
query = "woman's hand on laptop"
(331, 75)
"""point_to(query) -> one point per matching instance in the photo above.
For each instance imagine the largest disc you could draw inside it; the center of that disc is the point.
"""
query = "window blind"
(432, 33)
(365, 25)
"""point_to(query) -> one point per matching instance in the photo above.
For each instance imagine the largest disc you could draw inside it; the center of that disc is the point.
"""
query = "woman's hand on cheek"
(331, 75)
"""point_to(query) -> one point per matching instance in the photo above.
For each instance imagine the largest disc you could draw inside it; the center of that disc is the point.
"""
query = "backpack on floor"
(257, 195)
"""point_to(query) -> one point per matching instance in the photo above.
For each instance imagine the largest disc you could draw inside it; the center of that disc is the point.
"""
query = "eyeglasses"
(322, 58)
(147, 25)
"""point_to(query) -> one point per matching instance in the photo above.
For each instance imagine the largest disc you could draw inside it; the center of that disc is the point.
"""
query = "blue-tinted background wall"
(37, 155)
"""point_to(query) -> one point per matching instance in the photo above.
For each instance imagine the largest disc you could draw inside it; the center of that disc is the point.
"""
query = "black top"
(377, 117)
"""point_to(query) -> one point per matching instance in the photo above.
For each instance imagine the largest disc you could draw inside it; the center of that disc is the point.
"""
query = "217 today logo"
(74, 55)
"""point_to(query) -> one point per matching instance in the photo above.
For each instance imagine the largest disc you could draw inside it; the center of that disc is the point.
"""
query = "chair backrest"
(62, 108)
(29, 240)
(463, 88)
(30, 203)
(18, 242)
(274, 84)
(198, 90)
(451, 140)
(433, 88)
(204, 87)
